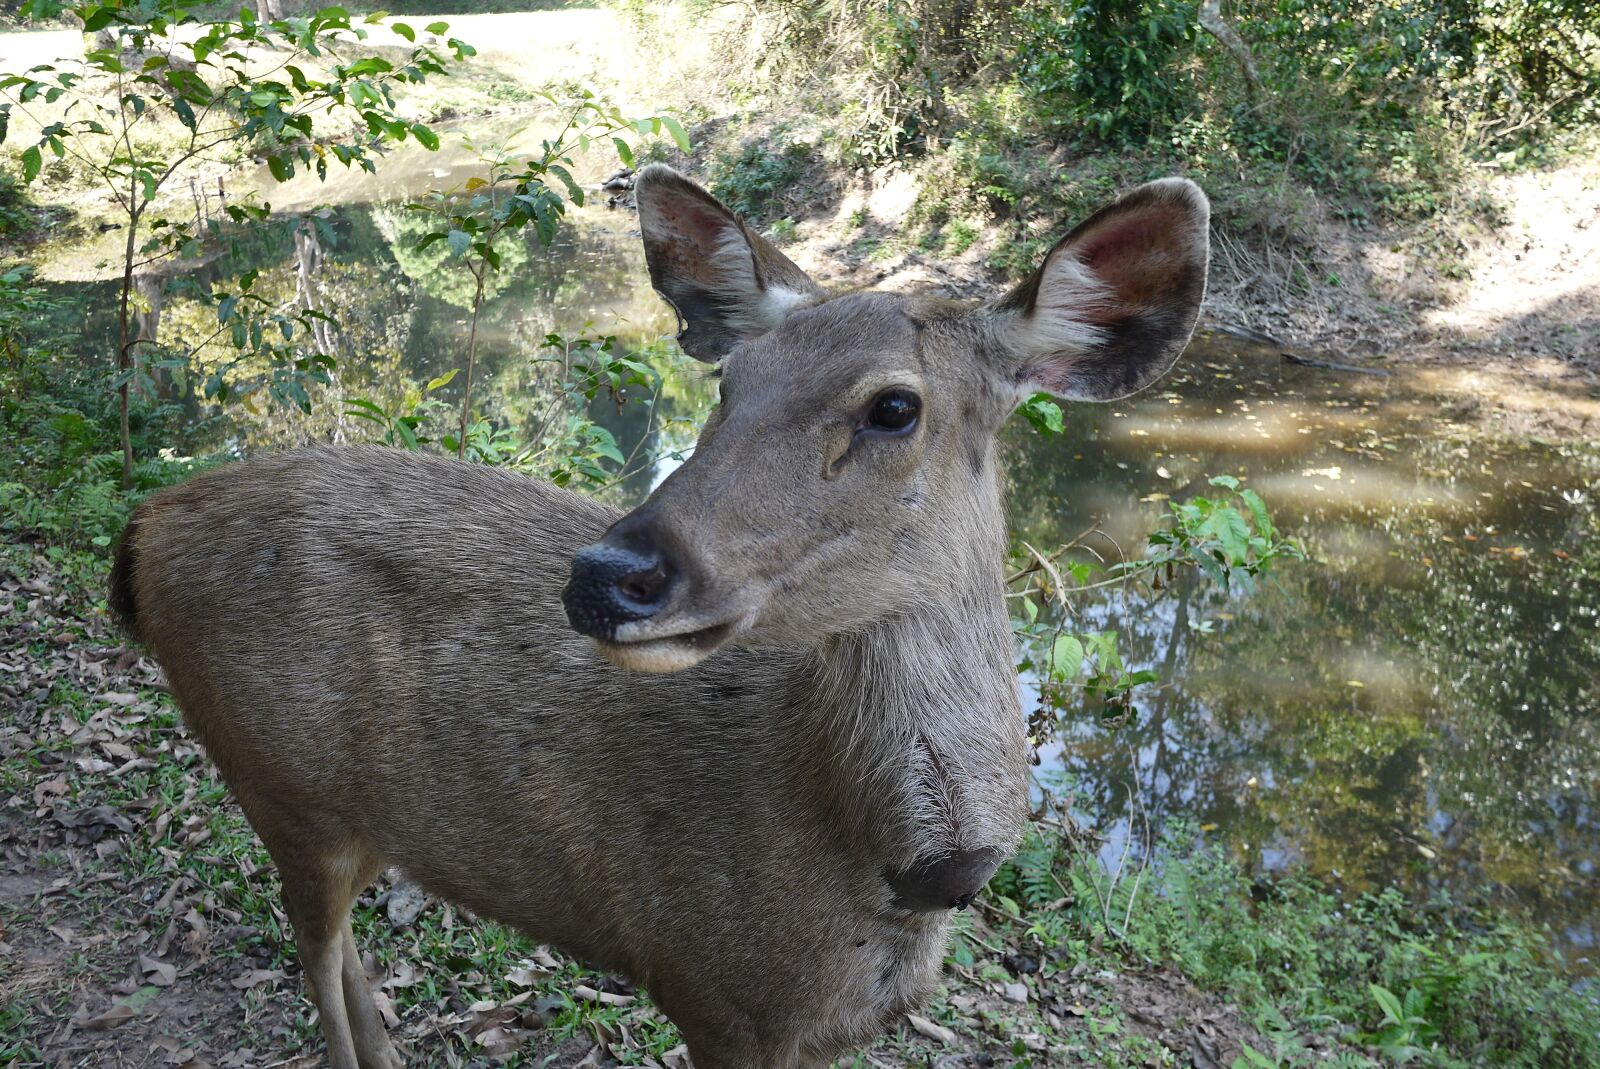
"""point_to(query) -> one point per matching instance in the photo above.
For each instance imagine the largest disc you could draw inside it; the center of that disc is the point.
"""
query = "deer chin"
(660, 654)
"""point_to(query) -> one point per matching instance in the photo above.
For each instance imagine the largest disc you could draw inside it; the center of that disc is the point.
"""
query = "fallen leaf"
(157, 972)
(406, 903)
(402, 975)
(930, 1029)
(256, 977)
(385, 1005)
(49, 788)
(118, 1015)
(605, 998)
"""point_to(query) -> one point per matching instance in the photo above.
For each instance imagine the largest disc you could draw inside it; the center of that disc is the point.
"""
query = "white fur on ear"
(752, 308)
(1062, 322)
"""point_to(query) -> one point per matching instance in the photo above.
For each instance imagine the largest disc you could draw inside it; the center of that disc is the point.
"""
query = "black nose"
(611, 586)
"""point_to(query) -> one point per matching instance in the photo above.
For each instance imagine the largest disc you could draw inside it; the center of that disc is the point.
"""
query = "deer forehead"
(844, 350)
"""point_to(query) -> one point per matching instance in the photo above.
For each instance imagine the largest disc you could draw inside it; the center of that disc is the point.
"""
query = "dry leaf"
(157, 972)
(931, 1030)
(605, 998)
(256, 977)
(117, 1015)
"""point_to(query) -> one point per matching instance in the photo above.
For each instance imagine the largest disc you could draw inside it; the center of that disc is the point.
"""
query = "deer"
(749, 744)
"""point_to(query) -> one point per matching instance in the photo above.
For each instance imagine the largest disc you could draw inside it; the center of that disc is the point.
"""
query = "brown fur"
(370, 645)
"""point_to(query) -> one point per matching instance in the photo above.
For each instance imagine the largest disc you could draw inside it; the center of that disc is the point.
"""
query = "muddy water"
(1418, 706)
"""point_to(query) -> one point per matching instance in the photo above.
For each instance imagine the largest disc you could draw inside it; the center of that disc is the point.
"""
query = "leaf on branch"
(679, 134)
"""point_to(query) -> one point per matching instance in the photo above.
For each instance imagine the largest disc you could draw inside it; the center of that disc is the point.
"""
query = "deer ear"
(725, 282)
(1115, 301)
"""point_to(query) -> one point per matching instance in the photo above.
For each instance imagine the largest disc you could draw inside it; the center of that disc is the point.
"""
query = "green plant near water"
(1447, 983)
(1228, 537)
(510, 197)
(163, 88)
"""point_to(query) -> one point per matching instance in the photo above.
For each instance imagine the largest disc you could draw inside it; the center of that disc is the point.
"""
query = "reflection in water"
(1420, 705)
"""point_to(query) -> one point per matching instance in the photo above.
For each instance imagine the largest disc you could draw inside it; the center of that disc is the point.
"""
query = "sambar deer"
(747, 744)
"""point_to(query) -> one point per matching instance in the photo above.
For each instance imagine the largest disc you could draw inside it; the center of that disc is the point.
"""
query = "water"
(1420, 705)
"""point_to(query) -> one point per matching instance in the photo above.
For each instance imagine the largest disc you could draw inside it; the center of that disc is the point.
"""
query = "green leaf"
(1225, 480)
(679, 134)
(1066, 657)
(31, 163)
(1388, 1003)
(459, 241)
(1227, 526)
(425, 137)
(438, 28)
(440, 381)
(1258, 512)
(280, 168)
(403, 30)
(1045, 415)
(624, 152)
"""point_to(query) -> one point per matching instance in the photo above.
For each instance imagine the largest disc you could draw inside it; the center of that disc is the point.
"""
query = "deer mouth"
(664, 653)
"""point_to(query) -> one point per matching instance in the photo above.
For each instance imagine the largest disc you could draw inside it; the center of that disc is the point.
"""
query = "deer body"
(382, 653)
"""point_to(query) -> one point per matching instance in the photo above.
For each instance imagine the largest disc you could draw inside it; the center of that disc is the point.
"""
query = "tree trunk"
(1212, 22)
(147, 326)
(125, 344)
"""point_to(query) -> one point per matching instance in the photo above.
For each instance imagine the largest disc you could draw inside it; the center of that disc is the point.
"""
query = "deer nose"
(611, 586)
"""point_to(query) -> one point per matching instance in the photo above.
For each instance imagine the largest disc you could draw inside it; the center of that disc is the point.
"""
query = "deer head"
(847, 473)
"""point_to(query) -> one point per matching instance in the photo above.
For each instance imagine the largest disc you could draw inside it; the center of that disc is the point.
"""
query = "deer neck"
(924, 751)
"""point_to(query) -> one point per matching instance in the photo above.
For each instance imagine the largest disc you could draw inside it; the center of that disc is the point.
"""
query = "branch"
(1212, 22)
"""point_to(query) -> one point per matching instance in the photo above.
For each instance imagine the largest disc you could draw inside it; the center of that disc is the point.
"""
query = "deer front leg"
(373, 1048)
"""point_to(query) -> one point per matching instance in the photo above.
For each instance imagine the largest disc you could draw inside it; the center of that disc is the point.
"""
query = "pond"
(1419, 705)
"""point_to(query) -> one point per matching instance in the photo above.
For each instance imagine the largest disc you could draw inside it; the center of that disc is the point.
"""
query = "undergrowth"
(1446, 983)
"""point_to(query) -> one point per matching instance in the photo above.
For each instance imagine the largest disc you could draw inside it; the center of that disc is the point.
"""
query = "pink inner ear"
(1103, 249)
(1134, 255)
(696, 221)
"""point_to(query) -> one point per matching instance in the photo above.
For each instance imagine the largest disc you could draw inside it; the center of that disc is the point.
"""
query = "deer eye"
(894, 412)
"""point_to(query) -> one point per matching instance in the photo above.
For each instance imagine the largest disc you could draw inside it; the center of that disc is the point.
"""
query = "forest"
(1307, 633)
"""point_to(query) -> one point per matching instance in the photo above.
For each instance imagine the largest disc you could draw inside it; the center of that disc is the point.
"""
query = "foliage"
(155, 60)
(509, 200)
(1383, 107)
(1230, 539)
(563, 442)
(1451, 983)
(1107, 64)
(755, 180)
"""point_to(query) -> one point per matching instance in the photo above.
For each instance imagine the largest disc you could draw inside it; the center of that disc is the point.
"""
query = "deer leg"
(373, 1048)
(318, 920)
(322, 874)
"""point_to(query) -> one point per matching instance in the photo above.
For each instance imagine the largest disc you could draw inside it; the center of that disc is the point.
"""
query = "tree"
(161, 89)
